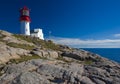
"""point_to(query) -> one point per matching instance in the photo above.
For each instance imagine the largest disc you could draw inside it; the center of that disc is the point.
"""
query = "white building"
(37, 33)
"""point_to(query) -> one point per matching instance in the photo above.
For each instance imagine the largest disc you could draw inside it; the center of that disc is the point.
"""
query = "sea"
(110, 53)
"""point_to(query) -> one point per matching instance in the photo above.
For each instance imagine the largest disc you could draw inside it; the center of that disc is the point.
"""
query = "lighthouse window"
(26, 12)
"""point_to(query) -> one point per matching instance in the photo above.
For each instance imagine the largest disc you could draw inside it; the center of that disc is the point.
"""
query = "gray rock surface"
(40, 71)
(7, 53)
(45, 53)
(30, 78)
(63, 66)
(80, 55)
(8, 37)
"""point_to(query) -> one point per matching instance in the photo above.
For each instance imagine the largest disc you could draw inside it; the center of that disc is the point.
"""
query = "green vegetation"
(88, 62)
(23, 37)
(23, 46)
(1, 73)
(50, 45)
(43, 43)
(24, 58)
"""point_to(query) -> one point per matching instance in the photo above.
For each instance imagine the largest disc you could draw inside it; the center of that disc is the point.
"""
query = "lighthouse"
(25, 21)
(25, 24)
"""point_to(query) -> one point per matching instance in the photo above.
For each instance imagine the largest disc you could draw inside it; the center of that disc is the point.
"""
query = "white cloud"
(75, 42)
(117, 35)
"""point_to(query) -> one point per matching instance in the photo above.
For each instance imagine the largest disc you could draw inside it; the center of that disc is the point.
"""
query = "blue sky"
(78, 23)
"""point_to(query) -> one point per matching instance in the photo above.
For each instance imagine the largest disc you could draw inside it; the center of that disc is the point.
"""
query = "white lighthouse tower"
(25, 21)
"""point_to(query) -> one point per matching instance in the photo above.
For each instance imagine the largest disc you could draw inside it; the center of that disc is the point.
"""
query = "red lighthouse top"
(25, 8)
(24, 14)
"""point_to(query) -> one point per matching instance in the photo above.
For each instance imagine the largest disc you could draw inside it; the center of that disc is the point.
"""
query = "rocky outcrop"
(7, 53)
(45, 53)
(64, 65)
(9, 38)
(10, 51)
(57, 72)
(77, 54)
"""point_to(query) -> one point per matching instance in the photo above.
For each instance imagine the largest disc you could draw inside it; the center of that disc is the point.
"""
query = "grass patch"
(1, 73)
(43, 43)
(49, 45)
(23, 46)
(24, 58)
(88, 62)
(23, 37)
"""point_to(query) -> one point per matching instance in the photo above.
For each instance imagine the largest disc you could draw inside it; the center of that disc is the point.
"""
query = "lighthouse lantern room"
(25, 21)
